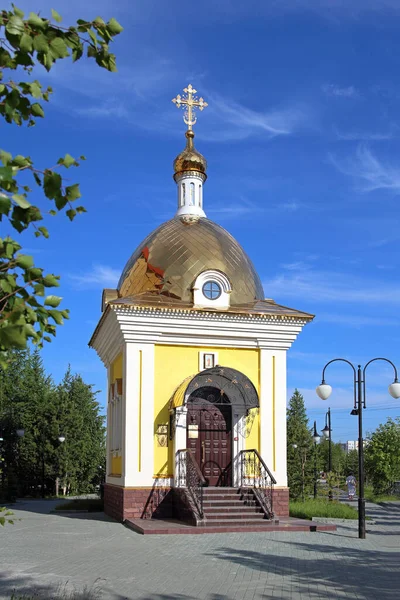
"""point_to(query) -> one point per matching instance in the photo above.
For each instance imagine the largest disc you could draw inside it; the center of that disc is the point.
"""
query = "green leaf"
(21, 161)
(37, 179)
(53, 301)
(51, 281)
(52, 184)
(73, 192)
(36, 21)
(58, 48)
(21, 201)
(44, 232)
(24, 261)
(57, 316)
(5, 204)
(37, 110)
(56, 16)
(71, 214)
(15, 25)
(6, 175)
(114, 26)
(36, 89)
(5, 157)
(13, 336)
(40, 43)
(26, 43)
(67, 161)
(18, 11)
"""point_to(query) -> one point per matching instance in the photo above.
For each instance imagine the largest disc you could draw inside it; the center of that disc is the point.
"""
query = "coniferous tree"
(300, 448)
(30, 400)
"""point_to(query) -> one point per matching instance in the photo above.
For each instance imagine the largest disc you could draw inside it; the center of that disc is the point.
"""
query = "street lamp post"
(327, 432)
(324, 390)
(316, 439)
(61, 439)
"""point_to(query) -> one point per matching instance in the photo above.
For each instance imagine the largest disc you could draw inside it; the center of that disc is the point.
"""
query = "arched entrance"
(209, 434)
(208, 414)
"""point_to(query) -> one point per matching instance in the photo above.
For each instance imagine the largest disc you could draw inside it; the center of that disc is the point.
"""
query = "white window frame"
(220, 303)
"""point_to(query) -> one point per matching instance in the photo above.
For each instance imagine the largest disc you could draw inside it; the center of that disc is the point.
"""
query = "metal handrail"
(255, 474)
(193, 478)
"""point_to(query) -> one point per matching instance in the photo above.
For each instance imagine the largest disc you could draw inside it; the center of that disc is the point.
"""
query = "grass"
(321, 508)
(371, 497)
(89, 504)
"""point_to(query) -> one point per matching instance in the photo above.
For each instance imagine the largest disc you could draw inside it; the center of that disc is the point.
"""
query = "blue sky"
(302, 138)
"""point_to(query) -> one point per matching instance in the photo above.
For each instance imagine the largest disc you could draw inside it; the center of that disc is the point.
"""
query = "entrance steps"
(223, 506)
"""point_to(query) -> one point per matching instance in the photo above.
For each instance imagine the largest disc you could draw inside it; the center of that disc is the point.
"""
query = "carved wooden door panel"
(209, 436)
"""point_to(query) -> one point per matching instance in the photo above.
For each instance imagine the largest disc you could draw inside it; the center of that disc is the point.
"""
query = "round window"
(211, 290)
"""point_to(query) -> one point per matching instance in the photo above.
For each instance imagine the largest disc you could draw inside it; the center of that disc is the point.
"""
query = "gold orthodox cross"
(189, 103)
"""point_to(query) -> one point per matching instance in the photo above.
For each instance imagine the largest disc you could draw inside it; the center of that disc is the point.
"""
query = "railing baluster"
(255, 473)
(192, 478)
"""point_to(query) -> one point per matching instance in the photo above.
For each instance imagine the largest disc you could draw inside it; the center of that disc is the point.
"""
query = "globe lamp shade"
(20, 432)
(325, 431)
(316, 438)
(394, 390)
(61, 439)
(324, 391)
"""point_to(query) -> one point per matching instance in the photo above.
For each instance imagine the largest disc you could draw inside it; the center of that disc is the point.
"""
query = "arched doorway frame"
(238, 388)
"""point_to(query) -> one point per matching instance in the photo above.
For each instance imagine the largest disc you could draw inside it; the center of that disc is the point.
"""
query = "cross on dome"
(189, 102)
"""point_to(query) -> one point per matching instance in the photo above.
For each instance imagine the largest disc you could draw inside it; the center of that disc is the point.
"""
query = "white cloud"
(300, 282)
(331, 89)
(368, 136)
(100, 275)
(371, 173)
(229, 120)
(291, 206)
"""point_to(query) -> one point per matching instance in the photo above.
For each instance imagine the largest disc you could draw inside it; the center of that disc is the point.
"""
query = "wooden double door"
(209, 435)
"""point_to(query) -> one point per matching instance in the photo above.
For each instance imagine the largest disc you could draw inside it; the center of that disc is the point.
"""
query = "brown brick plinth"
(280, 501)
(137, 503)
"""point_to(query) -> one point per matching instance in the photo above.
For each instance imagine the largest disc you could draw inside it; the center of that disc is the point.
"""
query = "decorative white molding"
(220, 303)
(214, 330)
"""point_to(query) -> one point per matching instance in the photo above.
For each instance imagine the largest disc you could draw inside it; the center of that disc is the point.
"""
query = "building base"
(161, 503)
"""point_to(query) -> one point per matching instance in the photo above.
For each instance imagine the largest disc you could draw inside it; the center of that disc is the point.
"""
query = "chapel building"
(196, 363)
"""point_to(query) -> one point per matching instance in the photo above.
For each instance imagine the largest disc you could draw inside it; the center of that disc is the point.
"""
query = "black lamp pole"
(324, 392)
(316, 439)
(330, 441)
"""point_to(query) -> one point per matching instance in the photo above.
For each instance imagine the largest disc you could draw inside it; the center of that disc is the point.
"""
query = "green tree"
(351, 463)
(83, 452)
(382, 456)
(300, 448)
(338, 455)
(29, 399)
(27, 311)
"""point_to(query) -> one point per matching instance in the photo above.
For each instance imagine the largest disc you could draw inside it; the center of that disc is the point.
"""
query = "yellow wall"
(115, 373)
(175, 363)
(116, 369)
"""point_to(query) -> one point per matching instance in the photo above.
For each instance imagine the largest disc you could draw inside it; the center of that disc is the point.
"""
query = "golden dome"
(170, 259)
(190, 159)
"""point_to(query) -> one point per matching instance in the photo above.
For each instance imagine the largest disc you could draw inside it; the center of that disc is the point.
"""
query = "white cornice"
(192, 328)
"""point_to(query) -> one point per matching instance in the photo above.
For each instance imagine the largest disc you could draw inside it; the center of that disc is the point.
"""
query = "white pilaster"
(267, 407)
(108, 430)
(280, 418)
(138, 415)
(273, 412)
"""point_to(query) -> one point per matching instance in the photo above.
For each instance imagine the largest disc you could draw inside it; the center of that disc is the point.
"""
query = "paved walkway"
(43, 551)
